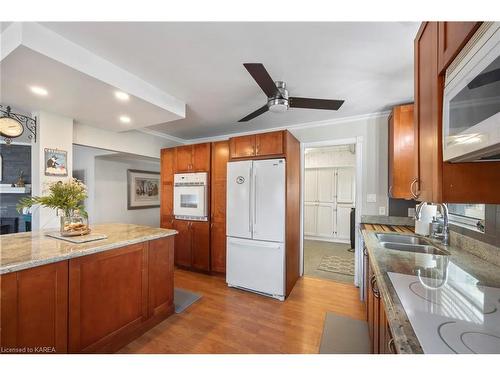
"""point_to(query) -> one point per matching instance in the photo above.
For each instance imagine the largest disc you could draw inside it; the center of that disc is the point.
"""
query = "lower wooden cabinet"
(381, 341)
(192, 245)
(160, 276)
(218, 247)
(34, 310)
(108, 296)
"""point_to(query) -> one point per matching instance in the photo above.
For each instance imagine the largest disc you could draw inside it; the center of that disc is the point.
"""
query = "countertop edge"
(396, 316)
(98, 249)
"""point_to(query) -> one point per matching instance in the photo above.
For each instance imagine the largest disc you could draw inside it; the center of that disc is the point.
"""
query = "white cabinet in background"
(329, 196)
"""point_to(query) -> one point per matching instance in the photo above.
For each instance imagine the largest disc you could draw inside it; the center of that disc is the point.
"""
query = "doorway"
(329, 212)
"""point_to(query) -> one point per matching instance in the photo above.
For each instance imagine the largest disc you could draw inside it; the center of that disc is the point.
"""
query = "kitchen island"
(59, 297)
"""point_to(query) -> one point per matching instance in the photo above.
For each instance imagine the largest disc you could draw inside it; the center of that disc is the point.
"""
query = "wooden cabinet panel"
(182, 243)
(324, 224)
(269, 144)
(311, 185)
(218, 246)
(345, 185)
(452, 38)
(220, 158)
(108, 297)
(428, 94)
(34, 309)
(310, 218)
(167, 188)
(200, 245)
(183, 159)
(201, 157)
(402, 152)
(242, 147)
(326, 185)
(161, 276)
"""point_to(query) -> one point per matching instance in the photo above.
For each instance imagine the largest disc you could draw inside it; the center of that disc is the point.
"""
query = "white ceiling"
(369, 64)
(70, 93)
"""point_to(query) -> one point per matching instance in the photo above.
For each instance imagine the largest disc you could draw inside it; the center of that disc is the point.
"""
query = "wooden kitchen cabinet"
(269, 143)
(192, 245)
(452, 38)
(192, 158)
(167, 188)
(160, 276)
(34, 309)
(402, 153)
(108, 298)
(263, 145)
(220, 158)
(440, 181)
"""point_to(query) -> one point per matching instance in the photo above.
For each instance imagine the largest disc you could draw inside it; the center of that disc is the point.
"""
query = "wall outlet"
(411, 212)
(371, 198)
(381, 210)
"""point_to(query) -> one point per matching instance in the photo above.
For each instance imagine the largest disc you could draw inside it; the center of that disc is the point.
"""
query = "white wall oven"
(190, 196)
(471, 104)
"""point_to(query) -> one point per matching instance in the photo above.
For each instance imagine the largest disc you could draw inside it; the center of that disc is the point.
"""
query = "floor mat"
(337, 264)
(342, 335)
(183, 299)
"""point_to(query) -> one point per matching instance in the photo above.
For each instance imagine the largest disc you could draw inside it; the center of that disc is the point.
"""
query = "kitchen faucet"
(445, 233)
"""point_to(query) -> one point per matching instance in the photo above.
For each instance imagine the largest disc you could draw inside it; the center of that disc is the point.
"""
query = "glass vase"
(74, 225)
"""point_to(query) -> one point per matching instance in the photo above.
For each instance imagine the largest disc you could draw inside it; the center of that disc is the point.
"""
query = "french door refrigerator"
(256, 226)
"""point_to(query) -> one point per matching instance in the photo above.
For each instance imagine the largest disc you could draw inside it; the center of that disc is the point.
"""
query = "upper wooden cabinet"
(167, 188)
(34, 309)
(258, 145)
(452, 38)
(192, 158)
(440, 181)
(402, 153)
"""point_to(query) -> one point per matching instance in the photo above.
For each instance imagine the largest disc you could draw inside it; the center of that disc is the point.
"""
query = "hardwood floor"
(228, 320)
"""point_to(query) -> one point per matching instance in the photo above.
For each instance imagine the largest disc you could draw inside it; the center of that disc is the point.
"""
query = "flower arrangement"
(66, 196)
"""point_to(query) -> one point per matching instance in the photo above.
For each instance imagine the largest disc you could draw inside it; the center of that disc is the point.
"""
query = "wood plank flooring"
(228, 320)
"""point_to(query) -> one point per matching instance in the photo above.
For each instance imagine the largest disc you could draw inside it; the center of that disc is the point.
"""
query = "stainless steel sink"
(414, 248)
(402, 239)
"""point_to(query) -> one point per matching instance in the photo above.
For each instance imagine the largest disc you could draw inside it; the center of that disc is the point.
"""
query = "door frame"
(358, 141)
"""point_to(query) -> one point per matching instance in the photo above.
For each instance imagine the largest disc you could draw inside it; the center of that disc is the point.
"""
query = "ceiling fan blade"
(263, 79)
(485, 79)
(315, 103)
(256, 113)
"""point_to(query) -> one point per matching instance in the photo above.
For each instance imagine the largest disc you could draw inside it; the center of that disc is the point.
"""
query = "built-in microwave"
(471, 101)
(190, 196)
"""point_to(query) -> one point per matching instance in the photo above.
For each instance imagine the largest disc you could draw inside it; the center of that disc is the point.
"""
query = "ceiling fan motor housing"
(279, 103)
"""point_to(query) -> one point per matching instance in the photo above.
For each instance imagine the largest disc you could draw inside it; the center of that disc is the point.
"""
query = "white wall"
(53, 131)
(373, 129)
(132, 142)
(110, 204)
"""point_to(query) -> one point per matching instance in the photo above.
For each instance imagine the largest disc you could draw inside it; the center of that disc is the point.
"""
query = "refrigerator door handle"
(270, 245)
(254, 199)
(250, 219)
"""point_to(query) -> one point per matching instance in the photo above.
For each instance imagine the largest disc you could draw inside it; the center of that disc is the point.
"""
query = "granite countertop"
(467, 276)
(20, 251)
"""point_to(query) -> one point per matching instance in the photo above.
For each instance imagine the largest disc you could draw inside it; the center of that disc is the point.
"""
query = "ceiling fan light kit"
(277, 95)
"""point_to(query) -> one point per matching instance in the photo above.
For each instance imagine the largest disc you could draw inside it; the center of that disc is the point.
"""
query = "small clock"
(10, 127)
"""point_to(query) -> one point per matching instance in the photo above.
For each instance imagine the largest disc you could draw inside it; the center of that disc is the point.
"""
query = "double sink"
(408, 242)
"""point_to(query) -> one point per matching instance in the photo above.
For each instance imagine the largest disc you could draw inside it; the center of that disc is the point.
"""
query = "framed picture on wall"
(56, 162)
(143, 189)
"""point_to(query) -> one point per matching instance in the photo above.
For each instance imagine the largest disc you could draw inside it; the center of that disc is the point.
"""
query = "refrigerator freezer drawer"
(256, 265)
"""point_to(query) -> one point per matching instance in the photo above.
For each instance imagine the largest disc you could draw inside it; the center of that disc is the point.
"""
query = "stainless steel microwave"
(471, 101)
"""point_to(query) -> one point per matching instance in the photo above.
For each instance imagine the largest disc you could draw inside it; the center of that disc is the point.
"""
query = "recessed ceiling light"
(120, 95)
(125, 119)
(39, 90)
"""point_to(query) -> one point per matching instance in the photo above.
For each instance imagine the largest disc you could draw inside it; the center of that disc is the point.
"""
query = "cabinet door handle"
(390, 191)
(415, 193)
(375, 290)
(392, 347)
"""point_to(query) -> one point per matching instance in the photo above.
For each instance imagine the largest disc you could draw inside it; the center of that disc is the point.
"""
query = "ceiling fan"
(277, 95)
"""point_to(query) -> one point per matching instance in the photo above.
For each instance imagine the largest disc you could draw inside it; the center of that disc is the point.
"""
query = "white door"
(325, 219)
(343, 222)
(269, 200)
(239, 197)
(345, 185)
(310, 218)
(326, 185)
(311, 185)
(256, 265)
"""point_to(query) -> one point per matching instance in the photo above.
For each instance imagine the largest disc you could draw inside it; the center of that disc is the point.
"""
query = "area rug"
(183, 299)
(342, 335)
(336, 264)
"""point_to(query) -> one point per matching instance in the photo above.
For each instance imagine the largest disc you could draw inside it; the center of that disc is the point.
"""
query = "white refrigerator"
(256, 226)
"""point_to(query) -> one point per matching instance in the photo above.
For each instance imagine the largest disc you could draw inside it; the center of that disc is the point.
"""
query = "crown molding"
(155, 133)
